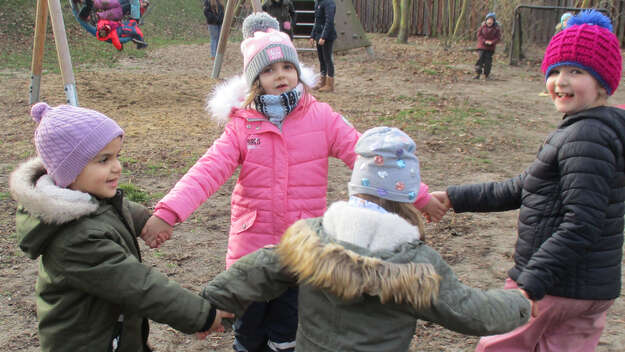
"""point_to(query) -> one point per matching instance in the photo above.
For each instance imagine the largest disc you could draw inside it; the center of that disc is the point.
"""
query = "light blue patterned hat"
(387, 166)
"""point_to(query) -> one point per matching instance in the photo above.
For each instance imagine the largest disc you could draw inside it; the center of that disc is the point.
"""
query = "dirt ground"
(159, 101)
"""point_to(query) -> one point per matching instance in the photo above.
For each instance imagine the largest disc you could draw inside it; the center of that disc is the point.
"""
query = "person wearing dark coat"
(569, 250)
(214, 13)
(323, 36)
(284, 12)
(488, 36)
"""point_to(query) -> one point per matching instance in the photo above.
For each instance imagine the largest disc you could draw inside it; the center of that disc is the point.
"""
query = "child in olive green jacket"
(93, 292)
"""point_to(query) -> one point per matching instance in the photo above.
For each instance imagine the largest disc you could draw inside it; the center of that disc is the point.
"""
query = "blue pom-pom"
(592, 17)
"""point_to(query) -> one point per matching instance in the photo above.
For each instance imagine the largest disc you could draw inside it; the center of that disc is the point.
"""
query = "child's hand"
(443, 198)
(533, 304)
(216, 324)
(286, 25)
(434, 210)
(156, 231)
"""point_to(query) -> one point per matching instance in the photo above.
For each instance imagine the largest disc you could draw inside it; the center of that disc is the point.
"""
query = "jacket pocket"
(243, 222)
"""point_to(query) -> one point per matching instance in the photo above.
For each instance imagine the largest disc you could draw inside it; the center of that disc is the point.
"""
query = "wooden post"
(62, 51)
(41, 21)
(225, 31)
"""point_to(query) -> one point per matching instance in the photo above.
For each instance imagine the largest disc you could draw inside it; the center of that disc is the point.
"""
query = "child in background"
(113, 10)
(488, 36)
(563, 21)
(323, 35)
(284, 12)
(570, 238)
(282, 145)
(214, 13)
(93, 292)
(112, 31)
(365, 276)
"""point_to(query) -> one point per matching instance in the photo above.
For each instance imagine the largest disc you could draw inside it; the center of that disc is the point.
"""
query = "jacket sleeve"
(487, 197)
(497, 36)
(257, 276)
(587, 164)
(342, 137)
(203, 179)
(293, 15)
(330, 9)
(100, 266)
(470, 310)
(139, 214)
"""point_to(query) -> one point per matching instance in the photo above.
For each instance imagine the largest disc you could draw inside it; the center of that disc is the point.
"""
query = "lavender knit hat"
(387, 166)
(68, 137)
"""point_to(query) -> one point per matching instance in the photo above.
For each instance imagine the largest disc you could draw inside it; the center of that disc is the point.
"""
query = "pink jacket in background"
(283, 177)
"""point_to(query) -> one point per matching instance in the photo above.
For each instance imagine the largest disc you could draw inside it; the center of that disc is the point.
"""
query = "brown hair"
(405, 210)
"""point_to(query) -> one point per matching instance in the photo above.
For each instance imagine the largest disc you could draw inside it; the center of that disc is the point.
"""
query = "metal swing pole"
(41, 21)
(62, 51)
(225, 31)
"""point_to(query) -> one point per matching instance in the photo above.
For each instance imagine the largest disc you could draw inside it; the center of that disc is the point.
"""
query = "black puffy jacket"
(571, 197)
(324, 20)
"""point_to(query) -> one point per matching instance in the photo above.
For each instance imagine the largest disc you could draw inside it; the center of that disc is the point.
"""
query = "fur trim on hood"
(346, 274)
(367, 228)
(33, 189)
(231, 94)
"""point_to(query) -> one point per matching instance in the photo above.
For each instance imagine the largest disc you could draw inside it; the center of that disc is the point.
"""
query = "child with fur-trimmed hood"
(365, 276)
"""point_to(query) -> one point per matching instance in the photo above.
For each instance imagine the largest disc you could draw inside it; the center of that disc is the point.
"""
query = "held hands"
(216, 327)
(156, 231)
(434, 210)
(534, 304)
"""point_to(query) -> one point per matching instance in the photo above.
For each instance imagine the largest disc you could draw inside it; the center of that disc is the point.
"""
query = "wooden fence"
(438, 17)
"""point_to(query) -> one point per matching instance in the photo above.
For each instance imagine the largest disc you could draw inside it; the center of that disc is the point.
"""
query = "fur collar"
(33, 189)
(231, 94)
(347, 274)
(367, 228)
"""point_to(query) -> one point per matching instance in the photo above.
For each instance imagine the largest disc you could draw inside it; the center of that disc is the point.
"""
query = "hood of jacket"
(43, 207)
(612, 117)
(232, 93)
(360, 251)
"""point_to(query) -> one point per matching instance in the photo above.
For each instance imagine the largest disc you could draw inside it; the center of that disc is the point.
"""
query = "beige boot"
(329, 87)
(321, 83)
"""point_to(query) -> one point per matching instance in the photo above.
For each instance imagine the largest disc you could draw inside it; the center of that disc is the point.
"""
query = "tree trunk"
(406, 16)
(460, 18)
(392, 32)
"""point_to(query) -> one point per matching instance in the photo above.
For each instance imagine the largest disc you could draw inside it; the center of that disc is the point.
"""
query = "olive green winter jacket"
(365, 278)
(90, 271)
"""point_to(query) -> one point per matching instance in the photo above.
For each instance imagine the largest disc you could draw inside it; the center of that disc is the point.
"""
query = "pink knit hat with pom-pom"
(68, 137)
(587, 43)
(264, 45)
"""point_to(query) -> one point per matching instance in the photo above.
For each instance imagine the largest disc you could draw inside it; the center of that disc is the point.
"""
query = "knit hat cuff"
(271, 54)
(383, 193)
(75, 161)
(590, 70)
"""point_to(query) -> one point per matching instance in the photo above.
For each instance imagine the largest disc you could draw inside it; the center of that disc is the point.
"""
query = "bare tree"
(401, 20)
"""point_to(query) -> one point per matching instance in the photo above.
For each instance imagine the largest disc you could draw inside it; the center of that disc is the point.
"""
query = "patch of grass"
(5, 195)
(168, 22)
(134, 193)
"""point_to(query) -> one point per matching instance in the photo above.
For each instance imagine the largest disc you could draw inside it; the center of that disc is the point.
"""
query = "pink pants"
(562, 325)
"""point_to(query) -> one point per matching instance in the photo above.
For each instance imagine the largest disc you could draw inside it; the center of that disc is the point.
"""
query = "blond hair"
(405, 210)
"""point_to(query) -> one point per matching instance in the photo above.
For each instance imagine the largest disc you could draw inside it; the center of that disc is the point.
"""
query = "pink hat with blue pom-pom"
(68, 137)
(587, 43)
(387, 166)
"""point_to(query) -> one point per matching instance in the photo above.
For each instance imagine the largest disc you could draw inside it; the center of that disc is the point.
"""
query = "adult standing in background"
(284, 12)
(323, 35)
(214, 13)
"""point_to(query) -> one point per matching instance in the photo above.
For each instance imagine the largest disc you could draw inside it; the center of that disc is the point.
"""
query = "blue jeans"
(214, 30)
(268, 326)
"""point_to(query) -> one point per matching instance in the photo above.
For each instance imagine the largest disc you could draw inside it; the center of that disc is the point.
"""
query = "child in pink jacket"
(281, 137)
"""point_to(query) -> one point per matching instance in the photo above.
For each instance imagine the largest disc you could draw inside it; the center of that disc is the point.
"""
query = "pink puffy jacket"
(283, 177)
